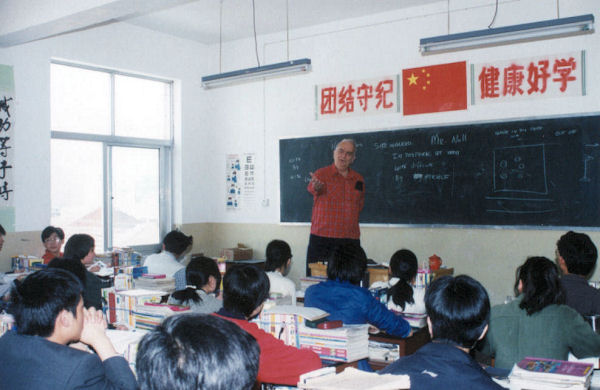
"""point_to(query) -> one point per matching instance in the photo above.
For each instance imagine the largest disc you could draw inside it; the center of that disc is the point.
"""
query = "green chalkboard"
(541, 172)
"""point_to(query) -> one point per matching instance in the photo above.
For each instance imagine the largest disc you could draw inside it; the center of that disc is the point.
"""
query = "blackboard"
(533, 172)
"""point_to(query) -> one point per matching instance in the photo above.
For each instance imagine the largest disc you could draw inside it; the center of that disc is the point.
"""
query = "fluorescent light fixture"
(261, 72)
(546, 29)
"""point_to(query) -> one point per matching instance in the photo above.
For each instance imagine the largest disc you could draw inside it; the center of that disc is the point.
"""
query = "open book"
(351, 379)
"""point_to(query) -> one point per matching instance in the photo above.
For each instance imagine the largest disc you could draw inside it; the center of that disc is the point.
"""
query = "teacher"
(338, 198)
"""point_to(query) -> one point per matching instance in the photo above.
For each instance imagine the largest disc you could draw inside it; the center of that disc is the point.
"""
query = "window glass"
(135, 196)
(77, 188)
(142, 108)
(80, 100)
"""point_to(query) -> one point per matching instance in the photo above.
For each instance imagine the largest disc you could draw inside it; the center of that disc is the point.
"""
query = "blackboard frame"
(479, 124)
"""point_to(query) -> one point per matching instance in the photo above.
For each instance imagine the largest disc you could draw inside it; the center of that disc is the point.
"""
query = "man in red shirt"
(338, 198)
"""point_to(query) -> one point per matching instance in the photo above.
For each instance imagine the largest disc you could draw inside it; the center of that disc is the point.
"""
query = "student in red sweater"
(245, 289)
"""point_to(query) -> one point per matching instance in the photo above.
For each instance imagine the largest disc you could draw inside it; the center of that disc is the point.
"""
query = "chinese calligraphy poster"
(7, 102)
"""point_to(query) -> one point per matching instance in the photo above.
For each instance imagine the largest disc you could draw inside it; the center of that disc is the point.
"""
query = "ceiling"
(199, 20)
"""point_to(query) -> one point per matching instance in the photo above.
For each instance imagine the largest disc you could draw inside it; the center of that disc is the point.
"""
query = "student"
(49, 314)
(279, 260)
(576, 256)
(537, 323)
(343, 298)
(73, 266)
(174, 245)
(458, 311)
(52, 239)
(401, 297)
(245, 289)
(197, 352)
(80, 247)
(203, 279)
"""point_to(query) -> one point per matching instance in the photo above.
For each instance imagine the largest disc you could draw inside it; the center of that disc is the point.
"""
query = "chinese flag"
(435, 88)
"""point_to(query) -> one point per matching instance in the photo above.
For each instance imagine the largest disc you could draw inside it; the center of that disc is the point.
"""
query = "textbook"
(351, 379)
(549, 374)
(283, 321)
(346, 344)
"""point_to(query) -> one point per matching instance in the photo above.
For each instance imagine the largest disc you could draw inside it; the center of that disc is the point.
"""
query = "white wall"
(253, 117)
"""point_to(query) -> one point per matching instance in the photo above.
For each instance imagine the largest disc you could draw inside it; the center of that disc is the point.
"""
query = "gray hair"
(350, 140)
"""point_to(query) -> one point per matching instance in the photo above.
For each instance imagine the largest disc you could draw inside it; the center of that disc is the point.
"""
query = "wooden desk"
(407, 346)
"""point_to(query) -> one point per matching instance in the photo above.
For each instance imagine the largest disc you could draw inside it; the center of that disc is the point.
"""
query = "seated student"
(203, 279)
(49, 314)
(197, 352)
(279, 259)
(80, 247)
(458, 311)
(73, 266)
(52, 239)
(576, 255)
(401, 296)
(537, 324)
(343, 298)
(245, 289)
(174, 245)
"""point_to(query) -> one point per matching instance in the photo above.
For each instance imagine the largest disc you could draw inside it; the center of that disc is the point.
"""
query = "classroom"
(211, 124)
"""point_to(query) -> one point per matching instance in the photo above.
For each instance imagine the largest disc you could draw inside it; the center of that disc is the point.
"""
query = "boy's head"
(73, 266)
(80, 247)
(177, 243)
(576, 254)
(279, 255)
(458, 310)
(52, 238)
(195, 351)
(347, 263)
(245, 289)
(47, 302)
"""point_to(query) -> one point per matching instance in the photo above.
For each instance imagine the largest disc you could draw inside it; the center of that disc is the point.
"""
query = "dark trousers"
(320, 248)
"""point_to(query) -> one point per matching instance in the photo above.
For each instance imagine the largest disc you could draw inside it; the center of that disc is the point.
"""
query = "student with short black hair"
(73, 266)
(174, 245)
(458, 312)
(80, 247)
(197, 352)
(49, 314)
(279, 260)
(203, 280)
(245, 290)
(576, 256)
(52, 239)
(342, 297)
(537, 323)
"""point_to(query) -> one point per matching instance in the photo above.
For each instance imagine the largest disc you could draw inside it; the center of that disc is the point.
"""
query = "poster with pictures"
(240, 181)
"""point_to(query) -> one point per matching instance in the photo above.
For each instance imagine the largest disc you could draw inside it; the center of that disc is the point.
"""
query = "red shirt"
(337, 206)
(279, 363)
(49, 256)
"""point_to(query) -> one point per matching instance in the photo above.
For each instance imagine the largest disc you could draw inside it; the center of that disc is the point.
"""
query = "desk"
(407, 346)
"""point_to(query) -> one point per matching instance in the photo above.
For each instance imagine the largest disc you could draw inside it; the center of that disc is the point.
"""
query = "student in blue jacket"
(343, 298)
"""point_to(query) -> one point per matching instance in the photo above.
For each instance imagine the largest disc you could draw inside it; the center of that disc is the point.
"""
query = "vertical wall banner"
(240, 181)
(550, 76)
(373, 96)
(7, 121)
(435, 88)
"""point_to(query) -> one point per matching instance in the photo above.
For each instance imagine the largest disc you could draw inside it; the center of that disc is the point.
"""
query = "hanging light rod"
(546, 29)
(261, 72)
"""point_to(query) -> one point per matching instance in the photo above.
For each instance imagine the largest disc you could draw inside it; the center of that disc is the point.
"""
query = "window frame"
(164, 147)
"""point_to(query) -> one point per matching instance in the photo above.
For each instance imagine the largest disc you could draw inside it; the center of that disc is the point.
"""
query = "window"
(111, 155)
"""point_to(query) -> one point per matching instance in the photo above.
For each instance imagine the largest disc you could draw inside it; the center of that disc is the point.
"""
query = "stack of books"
(548, 374)
(149, 315)
(155, 282)
(283, 321)
(346, 344)
(121, 304)
(383, 352)
(416, 320)
(126, 343)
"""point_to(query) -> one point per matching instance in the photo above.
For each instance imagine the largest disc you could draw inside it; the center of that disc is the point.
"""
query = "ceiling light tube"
(261, 72)
(554, 28)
